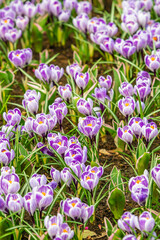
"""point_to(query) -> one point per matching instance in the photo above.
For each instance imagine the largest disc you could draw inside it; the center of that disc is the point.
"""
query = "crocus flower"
(81, 21)
(118, 45)
(126, 106)
(37, 180)
(146, 5)
(139, 181)
(6, 156)
(85, 106)
(10, 183)
(43, 196)
(140, 195)
(73, 69)
(29, 203)
(29, 9)
(138, 106)
(150, 131)
(127, 48)
(77, 168)
(53, 224)
(140, 80)
(13, 34)
(70, 4)
(64, 16)
(143, 18)
(55, 7)
(58, 142)
(55, 175)
(20, 57)
(82, 79)
(145, 222)
(107, 45)
(22, 22)
(75, 209)
(29, 126)
(136, 125)
(8, 22)
(90, 126)
(99, 36)
(156, 174)
(13, 117)
(44, 149)
(112, 29)
(95, 170)
(96, 24)
(89, 180)
(75, 153)
(43, 73)
(7, 12)
(125, 134)
(7, 170)
(4, 143)
(127, 222)
(143, 74)
(2, 204)
(129, 237)
(130, 26)
(14, 202)
(105, 82)
(60, 109)
(31, 104)
(65, 232)
(152, 62)
(143, 90)
(83, 7)
(55, 73)
(66, 176)
(65, 92)
(126, 89)
(17, 6)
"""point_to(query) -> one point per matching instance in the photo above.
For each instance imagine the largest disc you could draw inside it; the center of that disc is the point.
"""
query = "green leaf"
(142, 163)
(116, 202)
(88, 233)
(4, 225)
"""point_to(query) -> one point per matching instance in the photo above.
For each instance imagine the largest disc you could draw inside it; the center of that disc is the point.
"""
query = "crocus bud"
(82, 79)
(150, 131)
(55, 175)
(143, 90)
(64, 16)
(10, 183)
(136, 125)
(43, 196)
(138, 106)
(126, 89)
(14, 202)
(55, 7)
(65, 92)
(58, 142)
(143, 18)
(22, 22)
(80, 22)
(60, 109)
(13, 34)
(83, 7)
(126, 106)
(43, 73)
(29, 9)
(107, 45)
(105, 82)
(37, 180)
(156, 174)
(145, 222)
(29, 203)
(85, 106)
(125, 134)
(31, 104)
(56, 73)
(66, 176)
(127, 222)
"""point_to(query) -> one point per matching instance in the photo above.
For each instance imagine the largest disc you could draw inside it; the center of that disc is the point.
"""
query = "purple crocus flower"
(100, 94)
(13, 34)
(118, 45)
(156, 174)
(140, 195)
(129, 237)
(126, 89)
(145, 222)
(138, 182)
(152, 62)
(90, 126)
(64, 16)
(2, 204)
(7, 170)
(112, 29)
(29, 126)
(10, 183)
(22, 22)
(130, 26)
(89, 180)
(99, 36)
(60, 109)
(29, 9)
(143, 90)
(31, 104)
(37, 180)
(80, 22)
(17, 6)
(43, 73)
(125, 134)
(55, 175)
(77, 168)
(127, 222)
(75, 153)
(107, 45)
(7, 12)
(82, 79)
(73, 69)
(83, 7)
(65, 232)
(140, 80)
(65, 92)
(136, 124)
(55, 7)
(14, 202)
(6, 156)
(8, 22)
(127, 49)
(70, 4)
(75, 209)
(4, 143)
(96, 24)
(95, 170)
(56, 73)
(44, 149)
(138, 106)
(20, 57)
(143, 18)
(43, 196)
(66, 176)
(58, 142)
(150, 131)
(53, 224)
(105, 82)
(126, 106)
(85, 106)
(157, 8)
(146, 5)
(29, 203)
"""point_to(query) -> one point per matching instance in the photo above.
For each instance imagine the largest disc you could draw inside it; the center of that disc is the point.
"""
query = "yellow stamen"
(138, 181)
(73, 204)
(152, 127)
(126, 104)
(10, 181)
(89, 125)
(87, 178)
(125, 131)
(92, 171)
(155, 39)
(40, 122)
(44, 194)
(6, 21)
(136, 121)
(3, 151)
(65, 231)
(59, 143)
(152, 58)
(73, 155)
(53, 224)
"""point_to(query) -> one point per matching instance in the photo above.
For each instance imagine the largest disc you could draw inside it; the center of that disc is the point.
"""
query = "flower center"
(152, 127)
(6, 21)
(152, 58)
(87, 178)
(64, 89)
(40, 122)
(89, 125)
(125, 131)
(73, 204)
(10, 181)
(73, 155)
(126, 218)
(53, 224)
(138, 181)
(126, 104)
(59, 143)
(155, 39)
(65, 231)
(136, 121)
(92, 171)
(43, 193)
(3, 151)
(82, 76)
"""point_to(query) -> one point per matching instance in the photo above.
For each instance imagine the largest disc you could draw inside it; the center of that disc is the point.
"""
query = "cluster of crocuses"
(20, 57)
(144, 223)
(75, 158)
(15, 17)
(40, 197)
